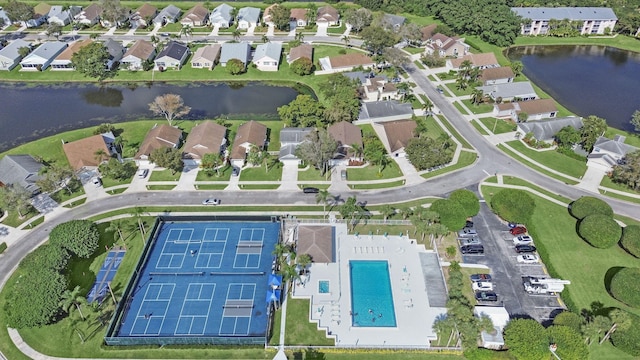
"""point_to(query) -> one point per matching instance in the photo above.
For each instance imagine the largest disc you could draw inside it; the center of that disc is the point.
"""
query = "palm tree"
(517, 67)
(346, 40)
(120, 142)
(236, 34)
(265, 39)
(99, 155)
(138, 213)
(620, 320)
(427, 107)
(116, 226)
(299, 36)
(358, 150)
(382, 161)
(269, 161)
(477, 96)
(289, 274)
(303, 260)
(405, 212)
(387, 210)
(323, 197)
(186, 31)
(72, 298)
(280, 249)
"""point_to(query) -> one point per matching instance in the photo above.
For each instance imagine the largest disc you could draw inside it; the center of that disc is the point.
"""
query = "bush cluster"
(513, 205)
(627, 337)
(631, 239)
(625, 286)
(588, 205)
(601, 231)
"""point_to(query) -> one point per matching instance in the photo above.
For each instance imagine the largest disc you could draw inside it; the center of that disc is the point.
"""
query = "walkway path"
(289, 177)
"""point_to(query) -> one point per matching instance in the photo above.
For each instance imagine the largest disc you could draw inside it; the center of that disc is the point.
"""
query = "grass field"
(311, 174)
(164, 175)
(299, 331)
(455, 133)
(552, 159)
(372, 172)
(498, 126)
(478, 108)
(518, 181)
(533, 166)
(260, 174)
(370, 186)
(466, 158)
(480, 129)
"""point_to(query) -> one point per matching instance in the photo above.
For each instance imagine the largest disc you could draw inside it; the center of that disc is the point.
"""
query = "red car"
(518, 230)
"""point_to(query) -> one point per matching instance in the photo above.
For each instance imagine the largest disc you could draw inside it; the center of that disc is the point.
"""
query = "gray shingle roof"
(171, 13)
(394, 20)
(114, 48)
(509, 90)
(235, 51)
(20, 170)
(249, 14)
(271, 50)
(222, 12)
(560, 13)
(294, 135)
(616, 146)
(48, 50)
(378, 109)
(173, 50)
(362, 76)
(11, 51)
(545, 130)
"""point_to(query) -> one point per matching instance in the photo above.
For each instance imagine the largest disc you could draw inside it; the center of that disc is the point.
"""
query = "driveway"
(322, 29)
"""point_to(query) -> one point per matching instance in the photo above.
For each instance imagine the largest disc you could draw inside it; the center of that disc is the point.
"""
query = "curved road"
(491, 160)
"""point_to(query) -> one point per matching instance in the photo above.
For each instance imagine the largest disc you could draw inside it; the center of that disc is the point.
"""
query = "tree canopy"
(569, 342)
(80, 237)
(425, 152)
(171, 106)
(303, 66)
(376, 38)
(592, 128)
(358, 18)
(91, 61)
(341, 98)
(303, 111)
(630, 240)
(625, 287)
(589, 205)
(601, 231)
(513, 205)
(526, 339)
(469, 201)
(628, 171)
(169, 158)
(318, 150)
(452, 213)
(235, 67)
(18, 10)
(280, 16)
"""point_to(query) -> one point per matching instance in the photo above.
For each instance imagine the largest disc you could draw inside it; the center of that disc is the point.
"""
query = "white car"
(523, 240)
(482, 286)
(211, 201)
(142, 173)
(527, 259)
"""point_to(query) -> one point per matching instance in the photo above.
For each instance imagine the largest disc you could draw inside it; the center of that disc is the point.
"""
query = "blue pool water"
(371, 297)
(323, 286)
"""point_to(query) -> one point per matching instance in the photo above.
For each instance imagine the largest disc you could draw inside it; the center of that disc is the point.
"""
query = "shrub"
(468, 200)
(3, 247)
(526, 339)
(626, 287)
(631, 239)
(47, 256)
(570, 343)
(588, 205)
(513, 205)
(601, 231)
(302, 66)
(80, 237)
(235, 67)
(569, 319)
(627, 338)
(452, 214)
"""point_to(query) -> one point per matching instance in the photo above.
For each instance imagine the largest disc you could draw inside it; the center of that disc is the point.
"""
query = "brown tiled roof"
(355, 59)
(503, 72)
(41, 10)
(427, 31)
(399, 133)
(483, 59)
(92, 11)
(317, 242)
(159, 137)
(142, 49)
(297, 14)
(504, 106)
(196, 13)
(328, 13)
(266, 15)
(389, 87)
(208, 52)
(304, 50)
(538, 106)
(147, 10)
(69, 51)
(204, 138)
(81, 153)
(251, 132)
(345, 133)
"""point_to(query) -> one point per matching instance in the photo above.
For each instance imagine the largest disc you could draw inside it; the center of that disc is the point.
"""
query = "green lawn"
(369, 186)
(211, 186)
(225, 175)
(76, 203)
(455, 133)
(466, 158)
(371, 172)
(259, 174)
(311, 174)
(533, 166)
(160, 187)
(259, 186)
(478, 108)
(552, 159)
(299, 331)
(498, 126)
(63, 195)
(632, 139)
(460, 108)
(336, 30)
(109, 182)
(478, 127)
(14, 220)
(518, 181)
(164, 175)
(419, 64)
(555, 233)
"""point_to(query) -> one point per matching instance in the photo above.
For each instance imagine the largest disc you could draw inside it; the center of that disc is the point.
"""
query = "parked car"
(527, 259)
(518, 230)
(235, 171)
(468, 224)
(486, 296)
(482, 286)
(343, 174)
(522, 240)
(142, 173)
(472, 249)
(310, 190)
(96, 181)
(211, 201)
(469, 241)
(467, 232)
(480, 277)
(525, 248)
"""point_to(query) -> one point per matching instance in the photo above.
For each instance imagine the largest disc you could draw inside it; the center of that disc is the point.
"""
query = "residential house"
(607, 153)
(90, 152)
(58, 15)
(346, 135)
(116, 52)
(445, 46)
(10, 54)
(328, 15)
(142, 17)
(535, 109)
(593, 20)
(172, 56)
(248, 17)
(142, 51)
(161, 136)
(240, 51)
(300, 51)
(428, 32)
(40, 13)
(42, 56)
(63, 61)
(393, 22)
(546, 130)
(204, 138)
(168, 15)
(4, 18)
(221, 16)
(514, 91)
(249, 134)
(20, 170)
(122, 18)
(206, 57)
(196, 16)
(267, 56)
(298, 18)
(499, 318)
(396, 135)
(346, 62)
(90, 15)
(374, 88)
(379, 111)
(290, 139)
(266, 16)
(482, 61)
(497, 75)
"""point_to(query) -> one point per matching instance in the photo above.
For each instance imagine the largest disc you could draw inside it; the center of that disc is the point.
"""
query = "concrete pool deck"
(331, 311)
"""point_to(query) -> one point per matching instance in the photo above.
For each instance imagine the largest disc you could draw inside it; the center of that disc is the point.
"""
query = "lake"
(587, 80)
(29, 112)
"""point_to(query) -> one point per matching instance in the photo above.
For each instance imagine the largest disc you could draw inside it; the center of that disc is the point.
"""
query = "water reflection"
(104, 96)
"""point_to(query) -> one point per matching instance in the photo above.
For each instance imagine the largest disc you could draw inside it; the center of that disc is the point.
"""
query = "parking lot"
(500, 256)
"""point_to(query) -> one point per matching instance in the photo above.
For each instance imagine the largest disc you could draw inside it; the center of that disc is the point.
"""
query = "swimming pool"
(371, 297)
(323, 286)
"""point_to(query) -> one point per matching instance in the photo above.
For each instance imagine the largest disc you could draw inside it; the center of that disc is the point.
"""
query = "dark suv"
(523, 248)
(311, 190)
(472, 249)
(486, 296)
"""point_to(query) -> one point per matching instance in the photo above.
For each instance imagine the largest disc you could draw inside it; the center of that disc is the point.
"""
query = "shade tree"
(171, 106)
(318, 149)
(91, 61)
(592, 128)
(303, 111)
(169, 158)
(79, 237)
(468, 200)
(627, 172)
(526, 339)
(589, 205)
(513, 205)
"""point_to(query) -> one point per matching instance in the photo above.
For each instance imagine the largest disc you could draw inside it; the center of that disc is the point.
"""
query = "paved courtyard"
(332, 310)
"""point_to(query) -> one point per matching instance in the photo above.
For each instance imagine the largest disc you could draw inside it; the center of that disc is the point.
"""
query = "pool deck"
(331, 311)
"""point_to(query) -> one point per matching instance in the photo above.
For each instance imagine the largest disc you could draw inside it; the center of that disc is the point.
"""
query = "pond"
(586, 79)
(29, 112)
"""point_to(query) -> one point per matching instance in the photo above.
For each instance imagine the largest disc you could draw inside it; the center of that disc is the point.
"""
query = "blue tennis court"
(202, 279)
(105, 275)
